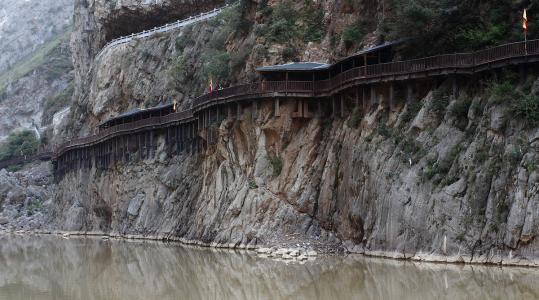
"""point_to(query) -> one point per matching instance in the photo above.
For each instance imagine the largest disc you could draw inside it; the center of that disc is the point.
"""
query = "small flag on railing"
(525, 21)
(211, 85)
(174, 106)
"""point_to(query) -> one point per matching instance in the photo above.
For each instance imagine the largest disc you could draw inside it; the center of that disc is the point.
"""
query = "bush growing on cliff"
(312, 18)
(289, 53)
(283, 28)
(355, 118)
(440, 101)
(216, 65)
(460, 108)
(19, 143)
(277, 165)
(502, 92)
(527, 107)
(450, 26)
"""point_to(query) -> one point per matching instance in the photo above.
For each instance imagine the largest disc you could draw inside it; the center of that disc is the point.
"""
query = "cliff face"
(35, 62)
(438, 178)
(27, 25)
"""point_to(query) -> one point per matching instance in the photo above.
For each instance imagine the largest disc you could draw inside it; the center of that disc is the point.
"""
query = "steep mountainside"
(27, 25)
(442, 177)
(35, 64)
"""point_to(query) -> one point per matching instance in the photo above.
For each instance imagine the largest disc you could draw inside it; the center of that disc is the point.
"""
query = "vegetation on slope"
(54, 104)
(458, 25)
(46, 56)
(19, 143)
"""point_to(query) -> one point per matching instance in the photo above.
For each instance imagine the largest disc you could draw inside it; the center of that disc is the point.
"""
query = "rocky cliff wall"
(438, 178)
(27, 25)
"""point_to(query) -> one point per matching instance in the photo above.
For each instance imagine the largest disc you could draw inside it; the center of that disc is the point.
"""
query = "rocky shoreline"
(292, 254)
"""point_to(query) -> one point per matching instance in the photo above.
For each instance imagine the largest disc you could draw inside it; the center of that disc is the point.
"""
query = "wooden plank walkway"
(441, 65)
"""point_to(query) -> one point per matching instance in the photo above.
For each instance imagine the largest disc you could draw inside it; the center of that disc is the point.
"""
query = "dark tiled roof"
(136, 110)
(298, 66)
(309, 66)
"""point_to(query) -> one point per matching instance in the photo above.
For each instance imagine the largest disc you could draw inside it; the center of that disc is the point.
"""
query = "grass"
(33, 61)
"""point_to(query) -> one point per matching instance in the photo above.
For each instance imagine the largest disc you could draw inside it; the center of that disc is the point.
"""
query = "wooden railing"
(450, 63)
(45, 155)
(165, 28)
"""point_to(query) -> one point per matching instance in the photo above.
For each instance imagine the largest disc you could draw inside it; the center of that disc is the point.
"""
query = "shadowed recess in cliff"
(125, 20)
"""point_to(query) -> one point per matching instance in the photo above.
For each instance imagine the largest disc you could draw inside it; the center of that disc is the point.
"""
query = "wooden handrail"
(447, 62)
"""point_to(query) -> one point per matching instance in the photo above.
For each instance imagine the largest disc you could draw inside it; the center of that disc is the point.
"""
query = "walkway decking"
(441, 65)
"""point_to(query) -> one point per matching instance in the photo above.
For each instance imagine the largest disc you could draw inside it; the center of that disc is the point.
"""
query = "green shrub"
(384, 130)
(283, 28)
(277, 165)
(183, 41)
(526, 107)
(19, 143)
(411, 112)
(410, 147)
(355, 118)
(440, 101)
(289, 53)
(460, 108)
(239, 58)
(252, 184)
(453, 26)
(216, 64)
(312, 18)
(353, 34)
(501, 92)
(502, 211)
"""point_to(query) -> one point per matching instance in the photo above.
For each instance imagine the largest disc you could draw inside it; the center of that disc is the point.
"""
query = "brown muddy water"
(49, 267)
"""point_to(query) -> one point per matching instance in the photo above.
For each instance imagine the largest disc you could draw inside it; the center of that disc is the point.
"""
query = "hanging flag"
(211, 85)
(525, 21)
(174, 106)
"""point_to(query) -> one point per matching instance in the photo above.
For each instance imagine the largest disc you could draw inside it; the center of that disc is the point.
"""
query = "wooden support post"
(373, 96)
(341, 96)
(238, 111)
(152, 152)
(139, 140)
(409, 93)
(277, 108)
(454, 87)
(306, 112)
(254, 114)
(356, 103)
(128, 151)
(229, 110)
(333, 107)
(391, 97)
(218, 114)
(319, 108)
(298, 113)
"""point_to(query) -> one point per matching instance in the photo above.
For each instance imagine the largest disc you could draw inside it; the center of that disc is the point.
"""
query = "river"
(49, 267)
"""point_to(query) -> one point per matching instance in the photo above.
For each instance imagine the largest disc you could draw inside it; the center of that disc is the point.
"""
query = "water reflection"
(55, 268)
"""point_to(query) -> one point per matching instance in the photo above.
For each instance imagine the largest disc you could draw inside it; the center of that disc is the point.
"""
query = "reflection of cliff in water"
(54, 268)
